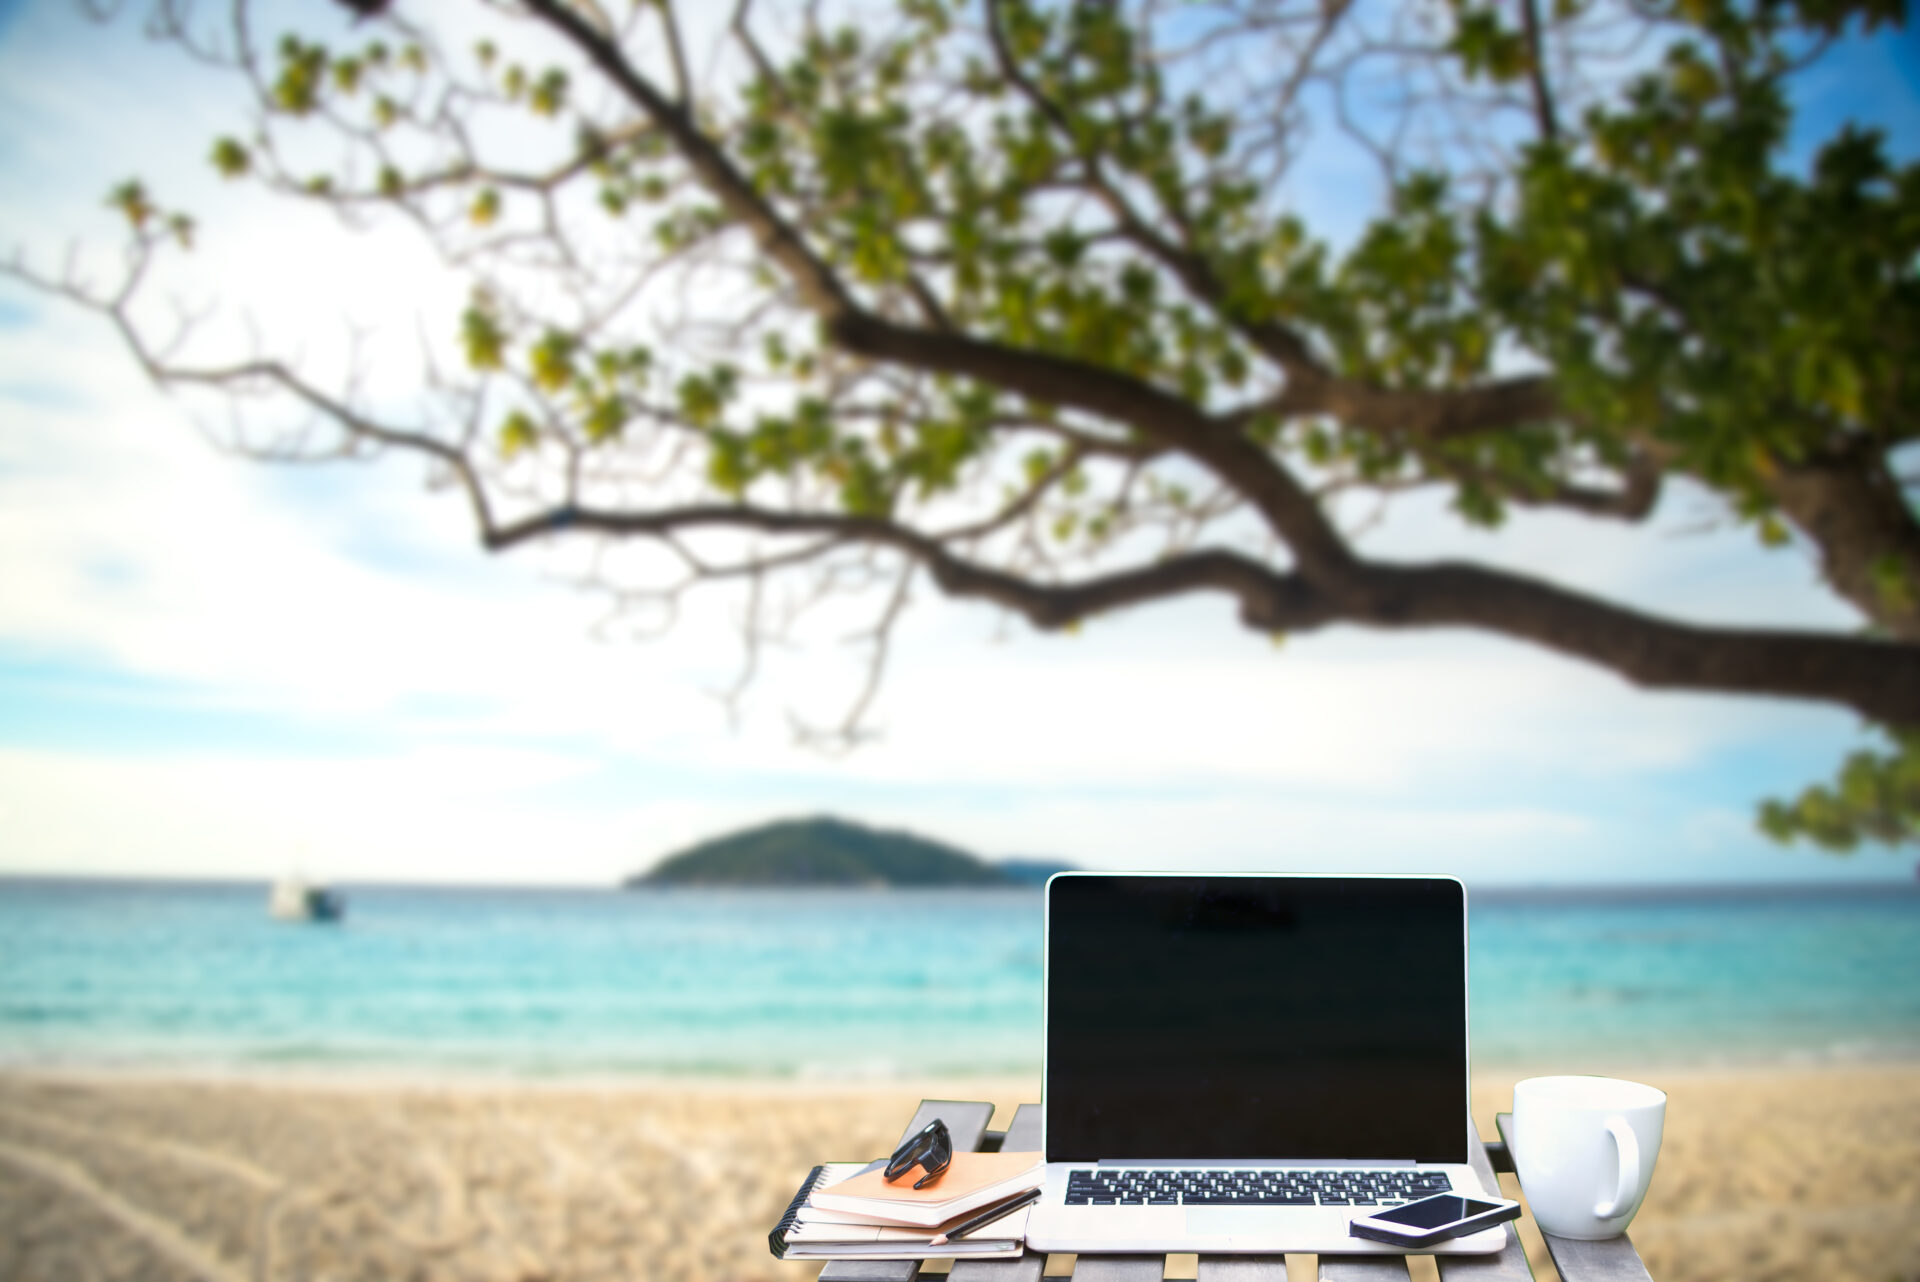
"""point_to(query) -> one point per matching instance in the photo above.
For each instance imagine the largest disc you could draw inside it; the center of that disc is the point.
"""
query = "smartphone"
(1433, 1219)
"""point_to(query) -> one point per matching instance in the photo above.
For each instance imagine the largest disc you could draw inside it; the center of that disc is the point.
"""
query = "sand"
(1765, 1174)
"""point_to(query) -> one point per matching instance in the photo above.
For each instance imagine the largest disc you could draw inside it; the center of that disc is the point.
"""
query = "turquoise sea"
(586, 983)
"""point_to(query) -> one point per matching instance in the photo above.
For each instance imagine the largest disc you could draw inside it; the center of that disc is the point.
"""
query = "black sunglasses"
(931, 1147)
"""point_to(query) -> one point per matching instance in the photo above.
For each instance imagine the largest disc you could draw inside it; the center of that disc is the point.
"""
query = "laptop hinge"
(1202, 1162)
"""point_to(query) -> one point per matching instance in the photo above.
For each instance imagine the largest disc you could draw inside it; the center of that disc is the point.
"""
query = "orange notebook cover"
(974, 1179)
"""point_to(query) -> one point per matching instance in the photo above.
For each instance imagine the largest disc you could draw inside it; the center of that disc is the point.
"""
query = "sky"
(212, 667)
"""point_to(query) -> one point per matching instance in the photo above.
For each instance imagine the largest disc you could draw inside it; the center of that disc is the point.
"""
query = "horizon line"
(1498, 888)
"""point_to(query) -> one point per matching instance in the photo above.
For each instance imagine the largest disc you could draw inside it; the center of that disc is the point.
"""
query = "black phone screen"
(1432, 1212)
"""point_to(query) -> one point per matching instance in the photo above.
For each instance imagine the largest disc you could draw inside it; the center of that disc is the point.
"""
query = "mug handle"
(1628, 1145)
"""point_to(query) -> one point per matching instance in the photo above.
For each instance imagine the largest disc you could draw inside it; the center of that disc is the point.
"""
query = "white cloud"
(1181, 696)
(433, 813)
(1239, 829)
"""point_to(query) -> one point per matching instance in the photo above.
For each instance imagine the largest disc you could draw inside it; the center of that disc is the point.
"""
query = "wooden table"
(1611, 1261)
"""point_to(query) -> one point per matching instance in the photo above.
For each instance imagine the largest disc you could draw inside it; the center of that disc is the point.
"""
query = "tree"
(1008, 294)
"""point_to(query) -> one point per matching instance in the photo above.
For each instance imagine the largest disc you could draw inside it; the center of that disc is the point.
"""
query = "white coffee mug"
(1584, 1149)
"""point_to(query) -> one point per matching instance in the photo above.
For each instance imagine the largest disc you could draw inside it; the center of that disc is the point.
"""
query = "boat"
(296, 899)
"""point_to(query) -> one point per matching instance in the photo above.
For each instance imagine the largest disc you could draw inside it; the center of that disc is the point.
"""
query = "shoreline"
(383, 1074)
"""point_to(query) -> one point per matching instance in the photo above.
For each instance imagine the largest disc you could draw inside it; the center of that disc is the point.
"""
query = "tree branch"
(1879, 679)
(820, 287)
(1424, 415)
(682, 78)
(1536, 72)
(1280, 596)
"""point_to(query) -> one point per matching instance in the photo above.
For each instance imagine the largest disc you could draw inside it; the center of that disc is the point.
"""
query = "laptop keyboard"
(1251, 1188)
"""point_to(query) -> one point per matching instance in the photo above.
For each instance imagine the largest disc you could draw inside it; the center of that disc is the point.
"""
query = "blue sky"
(211, 667)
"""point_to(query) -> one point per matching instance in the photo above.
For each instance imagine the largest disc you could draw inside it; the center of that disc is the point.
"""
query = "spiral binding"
(777, 1239)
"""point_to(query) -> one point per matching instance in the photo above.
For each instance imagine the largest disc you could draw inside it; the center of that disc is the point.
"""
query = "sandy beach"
(1764, 1174)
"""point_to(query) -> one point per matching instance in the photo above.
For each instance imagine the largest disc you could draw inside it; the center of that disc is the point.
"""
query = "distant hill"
(820, 852)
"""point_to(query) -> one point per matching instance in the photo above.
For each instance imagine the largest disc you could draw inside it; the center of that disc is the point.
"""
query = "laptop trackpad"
(1222, 1221)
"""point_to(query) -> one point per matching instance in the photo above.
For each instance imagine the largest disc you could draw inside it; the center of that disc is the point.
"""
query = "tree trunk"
(1853, 510)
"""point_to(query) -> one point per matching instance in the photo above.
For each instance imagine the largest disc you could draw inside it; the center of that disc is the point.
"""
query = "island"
(826, 851)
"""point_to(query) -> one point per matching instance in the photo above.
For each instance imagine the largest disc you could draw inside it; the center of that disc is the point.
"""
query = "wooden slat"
(1364, 1268)
(1243, 1268)
(1119, 1268)
(1024, 1134)
(967, 1120)
(1510, 1264)
(1611, 1260)
(871, 1270)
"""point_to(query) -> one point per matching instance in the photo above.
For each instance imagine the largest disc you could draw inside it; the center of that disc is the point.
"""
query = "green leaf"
(1893, 582)
(1876, 799)
(296, 90)
(550, 94)
(130, 198)
(485, 209)
(230, 158)
(606, 418)
(482, 339)
(518, 433)
(704, 396)
(550, 360)
(727, 463)
(1488, 49)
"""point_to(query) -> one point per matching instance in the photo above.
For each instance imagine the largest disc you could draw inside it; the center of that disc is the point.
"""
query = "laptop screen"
(1257, 1017)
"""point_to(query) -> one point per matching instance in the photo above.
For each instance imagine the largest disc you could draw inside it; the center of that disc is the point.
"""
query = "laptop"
(1244, 1063)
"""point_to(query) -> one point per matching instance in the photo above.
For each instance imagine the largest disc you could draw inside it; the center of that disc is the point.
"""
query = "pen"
(986, 1217)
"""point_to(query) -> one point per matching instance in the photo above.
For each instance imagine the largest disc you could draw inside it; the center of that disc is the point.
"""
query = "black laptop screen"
(1242, 1018)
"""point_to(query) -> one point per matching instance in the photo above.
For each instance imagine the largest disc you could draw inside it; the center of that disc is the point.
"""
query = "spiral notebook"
(970, 1182)
(813, 1233)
